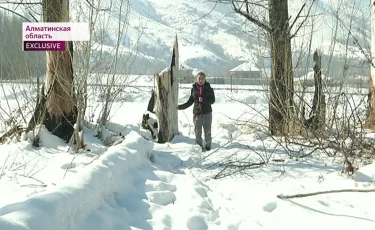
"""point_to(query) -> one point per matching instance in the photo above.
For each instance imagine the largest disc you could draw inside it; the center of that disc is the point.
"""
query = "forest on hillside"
(14, 62)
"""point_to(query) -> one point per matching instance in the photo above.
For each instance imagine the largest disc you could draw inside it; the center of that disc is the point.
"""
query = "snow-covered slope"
(212, 37)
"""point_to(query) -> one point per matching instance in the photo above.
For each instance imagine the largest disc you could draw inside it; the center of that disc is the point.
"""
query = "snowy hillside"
(213, 38)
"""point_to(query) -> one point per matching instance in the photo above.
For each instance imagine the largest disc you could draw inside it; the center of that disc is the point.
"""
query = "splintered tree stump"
(316, 121)
(167, 99)
(161, 111)
(163, 103)
(166, 111)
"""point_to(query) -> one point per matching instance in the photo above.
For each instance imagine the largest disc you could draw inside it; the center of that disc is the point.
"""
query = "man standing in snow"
(203, 96)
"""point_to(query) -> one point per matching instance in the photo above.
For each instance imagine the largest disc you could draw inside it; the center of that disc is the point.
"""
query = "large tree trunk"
(370, 122)
(281, 85)
(57, 110)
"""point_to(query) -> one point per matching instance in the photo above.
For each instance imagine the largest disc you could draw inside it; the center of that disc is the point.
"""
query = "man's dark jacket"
(203, 107)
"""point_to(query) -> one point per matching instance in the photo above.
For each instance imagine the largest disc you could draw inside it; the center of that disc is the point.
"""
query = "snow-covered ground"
(139, 184)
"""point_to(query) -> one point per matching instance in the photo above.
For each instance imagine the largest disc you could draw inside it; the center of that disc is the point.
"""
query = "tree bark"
(163, 104)
(317, 116)
(281, 84)
(57, 109)
(370, 121)
(167, 99)
(166, 111)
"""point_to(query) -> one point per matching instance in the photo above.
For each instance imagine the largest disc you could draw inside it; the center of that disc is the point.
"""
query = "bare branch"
(13, 12)
(283, 197)
(20, 3)
(298, 15)
(31, 15)
(249, 17)
(303, 22)
(99, 9)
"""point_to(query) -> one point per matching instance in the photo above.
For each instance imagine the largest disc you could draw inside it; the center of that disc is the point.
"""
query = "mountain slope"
(213, 38)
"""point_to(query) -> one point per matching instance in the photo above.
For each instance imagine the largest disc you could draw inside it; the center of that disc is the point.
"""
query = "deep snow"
(138, 184)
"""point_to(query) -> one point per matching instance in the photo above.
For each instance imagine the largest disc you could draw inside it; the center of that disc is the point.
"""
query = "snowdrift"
(78, 203)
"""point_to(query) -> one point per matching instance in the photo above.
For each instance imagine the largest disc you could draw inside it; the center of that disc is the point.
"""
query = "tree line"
(14, 62)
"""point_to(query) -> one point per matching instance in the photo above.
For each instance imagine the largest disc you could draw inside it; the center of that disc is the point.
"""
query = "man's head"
(201, 78)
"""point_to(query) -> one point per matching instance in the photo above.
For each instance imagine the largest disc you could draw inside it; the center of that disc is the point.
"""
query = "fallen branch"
(283, 197)
(33, 178)
(70, 166)
(34, 185)
(236, 167)
(15, 129)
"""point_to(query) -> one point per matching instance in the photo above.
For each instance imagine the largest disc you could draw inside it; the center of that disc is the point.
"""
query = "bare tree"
(345, 140)
(278, 28)
(57, 109)
(17, 75)
(97, 66)
(111, 70)
(102, 65)
(86, 11)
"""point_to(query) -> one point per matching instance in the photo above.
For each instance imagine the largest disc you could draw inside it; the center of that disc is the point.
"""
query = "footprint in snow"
(233, 226)
(161, 197)
(167, 221)
(270, 207)
(324, 203)
(201, 191)
(70, 165)
(196, 223)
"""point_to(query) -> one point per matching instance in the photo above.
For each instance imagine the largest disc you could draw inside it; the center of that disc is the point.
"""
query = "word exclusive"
(44, 46)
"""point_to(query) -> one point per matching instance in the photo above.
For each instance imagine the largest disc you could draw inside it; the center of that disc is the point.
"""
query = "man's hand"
(200, 99)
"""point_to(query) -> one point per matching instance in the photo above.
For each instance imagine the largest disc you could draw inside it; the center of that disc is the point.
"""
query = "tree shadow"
(330, 214)
(183, 139)
(170, 162)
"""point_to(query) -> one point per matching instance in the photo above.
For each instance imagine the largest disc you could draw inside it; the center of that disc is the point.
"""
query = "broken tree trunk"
(167, 99)
(317, 116)
(166, 108)
(56, 109)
